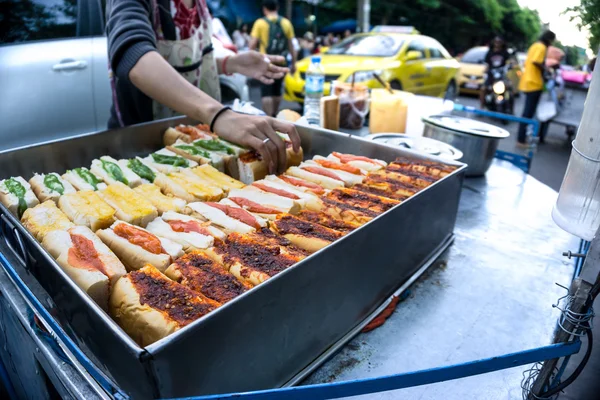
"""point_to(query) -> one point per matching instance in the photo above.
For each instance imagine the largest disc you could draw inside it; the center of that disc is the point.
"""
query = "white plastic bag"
(546, 109)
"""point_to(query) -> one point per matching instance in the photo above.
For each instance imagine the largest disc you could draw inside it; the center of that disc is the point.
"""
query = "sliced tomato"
(84, 255)
(237, 213)
(188, 227)
(253, 206)
(194, 132)
(346, 158)
(313, 187)
(139, 237)
(341, 167)
(323, 172)
(279, 192)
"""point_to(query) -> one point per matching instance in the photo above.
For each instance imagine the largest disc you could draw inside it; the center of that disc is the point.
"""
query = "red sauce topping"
(181, 304)
(273, 190)
(188, 227)
(288, 224)
(138, 237)
(341, 167)
(261, 257)
(313, 187)
(346, 158)
(328, 221)
(194, 132)
(253, 206)
(323, 172)
(361, 199)
(250, 156)
(236, 213)
(83, 255)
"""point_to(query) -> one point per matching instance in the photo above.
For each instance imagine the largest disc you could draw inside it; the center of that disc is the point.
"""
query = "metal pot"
(419, 144)
(477, 140)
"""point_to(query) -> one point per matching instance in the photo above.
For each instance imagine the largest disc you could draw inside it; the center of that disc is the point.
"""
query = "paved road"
(551, 158)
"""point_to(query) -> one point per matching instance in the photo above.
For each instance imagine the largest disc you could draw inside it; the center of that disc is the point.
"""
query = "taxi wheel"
(396, 85)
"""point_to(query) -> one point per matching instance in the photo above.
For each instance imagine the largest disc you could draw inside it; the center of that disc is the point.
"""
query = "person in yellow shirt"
(532, 80)
(273, 35)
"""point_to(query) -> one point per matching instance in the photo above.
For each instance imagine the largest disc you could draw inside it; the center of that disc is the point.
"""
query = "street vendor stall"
(489, 295)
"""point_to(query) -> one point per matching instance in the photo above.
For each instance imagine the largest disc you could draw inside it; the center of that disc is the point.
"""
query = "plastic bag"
(354, 104)
(546, 109)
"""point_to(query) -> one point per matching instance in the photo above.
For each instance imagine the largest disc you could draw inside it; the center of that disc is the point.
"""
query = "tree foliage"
(458, 24)
(588, 15)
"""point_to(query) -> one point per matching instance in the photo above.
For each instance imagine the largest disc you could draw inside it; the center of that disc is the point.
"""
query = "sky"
(550, 12)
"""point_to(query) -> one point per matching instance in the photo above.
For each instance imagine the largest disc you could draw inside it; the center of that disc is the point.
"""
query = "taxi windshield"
(368, 45)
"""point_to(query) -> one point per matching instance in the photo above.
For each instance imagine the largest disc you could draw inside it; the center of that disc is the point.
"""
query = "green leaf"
(16, 188)
(114, 171)
(214, 145)
(175, 161)
(196, 151)
(141, 169)
(87, 176)
(52, 182)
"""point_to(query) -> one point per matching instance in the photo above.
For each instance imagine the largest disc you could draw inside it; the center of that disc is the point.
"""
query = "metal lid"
(466, 125)
(421, 144)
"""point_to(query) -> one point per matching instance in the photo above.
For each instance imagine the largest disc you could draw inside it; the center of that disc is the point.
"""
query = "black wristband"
(221, 111)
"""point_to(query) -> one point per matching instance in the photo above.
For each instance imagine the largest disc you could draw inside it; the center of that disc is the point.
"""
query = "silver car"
(54, 71)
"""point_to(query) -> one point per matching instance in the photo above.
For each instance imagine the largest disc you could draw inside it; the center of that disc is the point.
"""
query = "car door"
(415, 75)
(436, 65)
(46, 73)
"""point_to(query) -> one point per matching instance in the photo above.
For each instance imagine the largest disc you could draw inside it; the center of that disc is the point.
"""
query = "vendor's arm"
(538, 55)
(132, 50)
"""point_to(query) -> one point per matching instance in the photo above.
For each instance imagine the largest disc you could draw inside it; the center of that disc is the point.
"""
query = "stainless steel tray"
(267, 336)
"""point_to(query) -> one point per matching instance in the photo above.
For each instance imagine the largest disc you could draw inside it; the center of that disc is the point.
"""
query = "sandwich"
(300, 184)
(362, 200)
(137, 247)
(163, 203)
(216, 178)
(166, 161)
(86, 260)
(186, 133)
(391, 186)
(431, 168)
(334, 164)
(364, 163)
(346, 212)
(111, 172)
(248, 197)
(284, 189)
(17, 196)
(198, 154)
(268, 237)
(418, 179)
(147, 173)
(304, 234)
(189, 232)
(292, 158)
(50, 186)
(202, 274)
(149, 306)
(384, 190)
(327, 220)
(260, 212)
(86, 208)
(83, 179)
(333, 171)
(195, 186)
(129, 205)
(225, 217)
(44, 218)
(318, 175)
(250, 167)
(172, 188)
(249, 260)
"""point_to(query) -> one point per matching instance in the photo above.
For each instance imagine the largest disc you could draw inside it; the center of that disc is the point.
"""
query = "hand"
(258, 66)
(252, 131)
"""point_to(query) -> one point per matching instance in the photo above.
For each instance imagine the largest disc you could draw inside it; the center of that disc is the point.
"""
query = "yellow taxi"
(472, 71)
(414, 63)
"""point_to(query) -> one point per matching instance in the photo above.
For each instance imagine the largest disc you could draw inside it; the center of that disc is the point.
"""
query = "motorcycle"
(498, 92)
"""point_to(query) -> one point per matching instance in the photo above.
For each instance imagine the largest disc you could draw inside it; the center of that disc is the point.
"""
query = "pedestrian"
(532, 80)
(496, 57)
(307, 44)
(241, 38)
(273, 35)
(347, 33)
(157, 72)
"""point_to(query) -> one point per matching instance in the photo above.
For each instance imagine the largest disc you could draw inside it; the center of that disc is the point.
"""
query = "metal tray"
(267, 336)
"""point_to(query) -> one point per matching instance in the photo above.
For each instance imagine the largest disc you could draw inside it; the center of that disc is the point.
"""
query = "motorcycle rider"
(496, 57)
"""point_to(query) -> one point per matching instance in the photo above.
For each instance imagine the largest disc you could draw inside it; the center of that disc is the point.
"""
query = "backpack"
(278, 42)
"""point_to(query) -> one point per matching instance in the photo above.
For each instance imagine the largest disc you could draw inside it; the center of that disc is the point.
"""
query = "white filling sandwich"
(191, 233)
(111, 172)
(166, 161)
(17, 196)
(223, 217)
(146, 172)
(50, 186)
(83, 179)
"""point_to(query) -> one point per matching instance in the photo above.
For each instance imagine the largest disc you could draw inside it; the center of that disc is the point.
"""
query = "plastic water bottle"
(313, 90)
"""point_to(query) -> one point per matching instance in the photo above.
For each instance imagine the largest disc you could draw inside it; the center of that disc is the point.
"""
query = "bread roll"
(137, 247)
(288, 115)
(185, 230)
(166, 161)
(172, 188)
(86, 208)
(50, 186)
(306, 235)
(348, 178)
(324, 181)
(217, 178)
(250, 167)
(112, 172)
(368, 164)
(195, 186)
(44, 218)
(162, 202)
(149, 306)
(83, 179)
(268, 200)
(286, 190)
